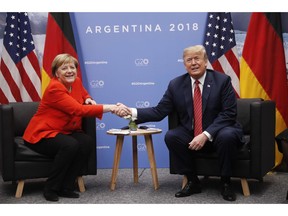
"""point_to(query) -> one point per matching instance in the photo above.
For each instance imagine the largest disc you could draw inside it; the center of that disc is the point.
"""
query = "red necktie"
(197, 109)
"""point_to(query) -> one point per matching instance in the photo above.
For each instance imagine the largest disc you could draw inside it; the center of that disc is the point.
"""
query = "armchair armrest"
(7, 147)
(89, 127)
(262, 115)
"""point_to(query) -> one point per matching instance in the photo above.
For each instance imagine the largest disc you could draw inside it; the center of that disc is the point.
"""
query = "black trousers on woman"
(70, 153)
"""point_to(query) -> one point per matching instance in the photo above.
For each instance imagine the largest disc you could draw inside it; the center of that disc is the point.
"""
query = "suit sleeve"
(159, 112)
(228, 112)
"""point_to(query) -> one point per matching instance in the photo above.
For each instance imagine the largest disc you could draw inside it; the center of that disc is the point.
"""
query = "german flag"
(59, 39)
(263, 67)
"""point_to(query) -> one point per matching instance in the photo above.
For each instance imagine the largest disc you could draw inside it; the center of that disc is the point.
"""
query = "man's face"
(195, 63)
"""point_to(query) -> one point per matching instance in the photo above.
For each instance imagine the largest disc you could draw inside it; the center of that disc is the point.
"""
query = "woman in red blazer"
(55, 129)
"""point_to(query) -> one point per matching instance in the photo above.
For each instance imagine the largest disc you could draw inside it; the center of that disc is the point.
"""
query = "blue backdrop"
(130, 58)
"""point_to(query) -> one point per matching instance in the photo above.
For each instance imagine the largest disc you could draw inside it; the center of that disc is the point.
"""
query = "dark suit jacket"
(218, 103)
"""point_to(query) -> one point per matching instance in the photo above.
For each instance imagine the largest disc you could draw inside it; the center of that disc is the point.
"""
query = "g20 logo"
(142, 104)
(141, 62)
(141, 147)
(100, 126)
(97, 83)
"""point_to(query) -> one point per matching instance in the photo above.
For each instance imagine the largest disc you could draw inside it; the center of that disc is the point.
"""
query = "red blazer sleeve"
(60, 112)
(58, 97)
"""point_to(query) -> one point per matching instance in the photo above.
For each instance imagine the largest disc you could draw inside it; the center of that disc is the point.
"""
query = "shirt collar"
(201, 80)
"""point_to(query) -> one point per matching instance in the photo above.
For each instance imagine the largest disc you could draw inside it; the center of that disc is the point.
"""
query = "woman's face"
(67, 74)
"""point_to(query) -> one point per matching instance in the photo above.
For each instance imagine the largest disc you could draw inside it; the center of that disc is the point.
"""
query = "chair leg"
(245, 187)
(206, 177)
(81, 184)
(19, 189)
(184, 182)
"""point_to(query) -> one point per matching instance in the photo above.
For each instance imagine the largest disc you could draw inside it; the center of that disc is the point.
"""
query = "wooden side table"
(120, 134)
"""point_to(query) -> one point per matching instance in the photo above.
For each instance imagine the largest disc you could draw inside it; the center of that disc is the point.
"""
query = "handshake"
(121, 110)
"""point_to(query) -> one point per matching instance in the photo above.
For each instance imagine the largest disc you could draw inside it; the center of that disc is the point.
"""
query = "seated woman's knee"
(72, 145)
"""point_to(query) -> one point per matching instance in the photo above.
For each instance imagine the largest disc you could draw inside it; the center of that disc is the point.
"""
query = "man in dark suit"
(219, 130)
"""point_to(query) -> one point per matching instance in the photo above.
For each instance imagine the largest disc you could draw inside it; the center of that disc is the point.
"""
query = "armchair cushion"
(24, 153)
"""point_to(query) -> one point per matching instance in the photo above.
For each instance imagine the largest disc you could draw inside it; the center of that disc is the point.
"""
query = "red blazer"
(60, 111)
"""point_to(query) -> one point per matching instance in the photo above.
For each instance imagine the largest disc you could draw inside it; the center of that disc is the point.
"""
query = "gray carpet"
(272, 190)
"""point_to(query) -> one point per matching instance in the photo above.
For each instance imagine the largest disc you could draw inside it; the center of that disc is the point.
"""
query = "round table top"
(134, 133)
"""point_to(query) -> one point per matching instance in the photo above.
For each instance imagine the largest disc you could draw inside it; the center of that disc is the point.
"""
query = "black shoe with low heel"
(189, 189)
(228, 192)
(68, 194)
(51, 195)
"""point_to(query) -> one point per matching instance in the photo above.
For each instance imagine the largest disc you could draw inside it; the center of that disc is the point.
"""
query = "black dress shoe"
(51, 195)
(189, 189)
(287, 195)
(68, 194)
(228, 193)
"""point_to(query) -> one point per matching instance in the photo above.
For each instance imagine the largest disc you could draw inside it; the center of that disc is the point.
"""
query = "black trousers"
(282, 143)
(225, 143)
(70, 153)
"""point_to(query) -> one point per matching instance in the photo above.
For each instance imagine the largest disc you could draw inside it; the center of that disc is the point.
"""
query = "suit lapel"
(206, 89)
(188, 95)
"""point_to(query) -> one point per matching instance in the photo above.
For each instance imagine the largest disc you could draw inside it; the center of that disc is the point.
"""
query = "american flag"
(20, 77)
(221, 48)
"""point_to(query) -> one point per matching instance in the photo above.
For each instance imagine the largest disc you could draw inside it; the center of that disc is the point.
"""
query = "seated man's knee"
(227, 134)
(172, 137)
(168, 137)
(227, 137)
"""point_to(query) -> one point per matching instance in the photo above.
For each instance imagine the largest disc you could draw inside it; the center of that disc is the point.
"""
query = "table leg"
(150, 151)
(117, 155)
(135, 159)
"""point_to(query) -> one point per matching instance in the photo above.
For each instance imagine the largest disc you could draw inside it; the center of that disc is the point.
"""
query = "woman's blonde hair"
(62, 59)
